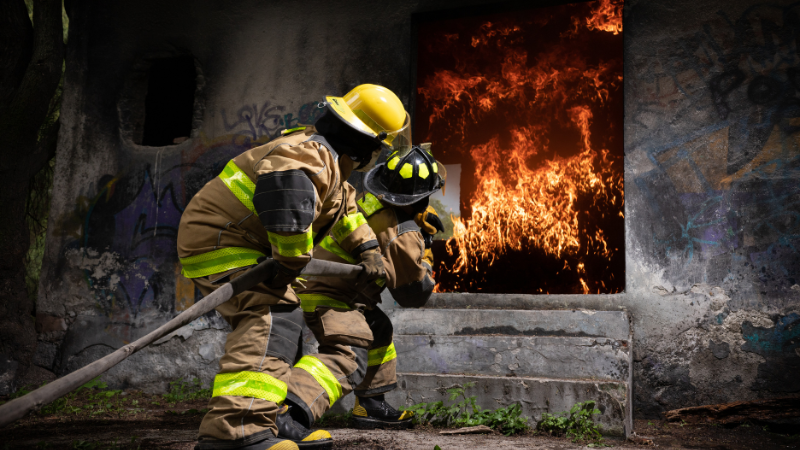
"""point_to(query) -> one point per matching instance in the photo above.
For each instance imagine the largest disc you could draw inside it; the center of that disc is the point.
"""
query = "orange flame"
(518, 205)
(534, 207)
(606, 16)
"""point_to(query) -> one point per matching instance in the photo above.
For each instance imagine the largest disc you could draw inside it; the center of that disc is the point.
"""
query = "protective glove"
(372, 268)
(281, 276)
(428, 257)
(429, 224)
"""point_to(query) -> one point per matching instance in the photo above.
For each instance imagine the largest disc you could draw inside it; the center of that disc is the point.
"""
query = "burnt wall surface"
(711, 161)
(712, 174)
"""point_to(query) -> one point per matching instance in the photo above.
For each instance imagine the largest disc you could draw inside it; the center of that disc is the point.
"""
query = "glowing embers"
(531, 105)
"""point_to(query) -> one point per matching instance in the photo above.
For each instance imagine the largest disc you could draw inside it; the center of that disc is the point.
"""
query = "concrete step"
(535, 395)
(470, 322)
(589, 358)
(546, 360)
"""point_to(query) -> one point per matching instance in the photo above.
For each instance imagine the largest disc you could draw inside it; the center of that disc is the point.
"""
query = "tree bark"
(22, 154)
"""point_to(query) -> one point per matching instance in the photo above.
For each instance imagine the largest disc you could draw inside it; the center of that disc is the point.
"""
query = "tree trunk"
(22, 154)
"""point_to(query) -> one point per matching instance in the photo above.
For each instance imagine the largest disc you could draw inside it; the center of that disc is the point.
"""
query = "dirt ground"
(139, 421)
(162, 429)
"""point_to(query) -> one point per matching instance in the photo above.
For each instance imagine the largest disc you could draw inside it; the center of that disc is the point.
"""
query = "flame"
(606, 16)
(521, 201)
(534, 207)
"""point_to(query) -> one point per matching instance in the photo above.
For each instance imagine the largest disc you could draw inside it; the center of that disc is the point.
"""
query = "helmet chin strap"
(366, 166)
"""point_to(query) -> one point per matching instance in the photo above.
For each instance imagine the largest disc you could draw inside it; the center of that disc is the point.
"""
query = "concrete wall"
(712, 219)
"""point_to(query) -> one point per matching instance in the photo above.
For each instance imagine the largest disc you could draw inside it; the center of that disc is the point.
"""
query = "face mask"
(366, 167)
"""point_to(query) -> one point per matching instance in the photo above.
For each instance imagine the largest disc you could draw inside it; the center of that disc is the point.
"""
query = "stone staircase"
(546, 360)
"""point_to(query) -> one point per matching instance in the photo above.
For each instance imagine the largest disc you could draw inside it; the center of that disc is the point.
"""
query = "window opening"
(529, 103)
(169, 104)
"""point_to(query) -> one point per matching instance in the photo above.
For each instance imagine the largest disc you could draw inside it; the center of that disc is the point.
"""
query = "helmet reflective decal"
(423, 170)
(393, 163)
(407, 171)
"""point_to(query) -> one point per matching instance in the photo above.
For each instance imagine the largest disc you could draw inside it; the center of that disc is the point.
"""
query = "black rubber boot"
(262, 441)
(374, 412)
(305, 439)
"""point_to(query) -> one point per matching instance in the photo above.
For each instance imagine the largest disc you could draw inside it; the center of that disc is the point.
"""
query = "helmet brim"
(373, 185)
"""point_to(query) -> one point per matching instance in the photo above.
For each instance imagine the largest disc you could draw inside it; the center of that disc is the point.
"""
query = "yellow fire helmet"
(373, 110)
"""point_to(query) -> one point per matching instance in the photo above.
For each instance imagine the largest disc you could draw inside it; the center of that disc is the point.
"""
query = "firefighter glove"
(429, 224)
(281, 276)
(372, 268)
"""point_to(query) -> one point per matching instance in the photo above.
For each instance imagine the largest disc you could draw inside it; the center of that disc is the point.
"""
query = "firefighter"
(279, 200)
(396, 208)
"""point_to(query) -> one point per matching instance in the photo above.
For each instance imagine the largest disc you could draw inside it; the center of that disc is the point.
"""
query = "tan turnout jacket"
(220, 224)
(408, 269)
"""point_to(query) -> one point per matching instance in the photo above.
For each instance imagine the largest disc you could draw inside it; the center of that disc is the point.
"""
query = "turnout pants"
(355, 353)
(256, 366)
(256, 373)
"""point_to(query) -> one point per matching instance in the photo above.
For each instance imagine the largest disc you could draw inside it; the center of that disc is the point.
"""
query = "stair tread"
(521, 377)
(533, 323)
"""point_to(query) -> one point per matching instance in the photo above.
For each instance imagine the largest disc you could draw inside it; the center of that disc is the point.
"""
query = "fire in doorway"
(529, 102)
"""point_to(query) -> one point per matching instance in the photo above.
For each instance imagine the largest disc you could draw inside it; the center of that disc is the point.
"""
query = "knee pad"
(285, 332)
(362, 358)
(381, 326)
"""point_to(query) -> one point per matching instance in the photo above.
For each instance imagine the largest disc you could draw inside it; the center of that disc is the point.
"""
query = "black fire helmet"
(406, 176)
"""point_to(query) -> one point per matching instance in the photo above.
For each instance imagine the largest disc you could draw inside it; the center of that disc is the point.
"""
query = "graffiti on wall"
(717, 116)
(256, 121)
(125, 229)
(713, 160)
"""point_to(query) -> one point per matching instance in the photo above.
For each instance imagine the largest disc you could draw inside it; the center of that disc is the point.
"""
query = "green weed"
(576, 424)
(335, 420)
(180, 390)
(466, 413)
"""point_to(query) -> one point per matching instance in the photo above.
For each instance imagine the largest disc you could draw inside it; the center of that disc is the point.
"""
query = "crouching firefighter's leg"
(321, 379)
(248, 391)
(371, 409)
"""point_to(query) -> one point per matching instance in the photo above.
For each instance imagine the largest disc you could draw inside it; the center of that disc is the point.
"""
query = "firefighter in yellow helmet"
(396, 208)
(278, 201)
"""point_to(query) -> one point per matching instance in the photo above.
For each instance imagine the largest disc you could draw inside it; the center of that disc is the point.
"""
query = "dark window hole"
(169, 104)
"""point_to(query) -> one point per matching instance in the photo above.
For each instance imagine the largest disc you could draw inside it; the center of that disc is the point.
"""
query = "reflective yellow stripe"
(330, 245)
(323, 375)
(310, 302)
(292, 130)
(250, 384)
(370, 204)
(219, 261)
(381, 355)
(240, 184)
(380, 282)
(295, 245)
(347, 225)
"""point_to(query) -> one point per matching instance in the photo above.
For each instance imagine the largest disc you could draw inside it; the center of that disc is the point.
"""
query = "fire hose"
(17, 408)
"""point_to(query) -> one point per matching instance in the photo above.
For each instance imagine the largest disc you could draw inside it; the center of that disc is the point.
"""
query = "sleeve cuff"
(370, 244)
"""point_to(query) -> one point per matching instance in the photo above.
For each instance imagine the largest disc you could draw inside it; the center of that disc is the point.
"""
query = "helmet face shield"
(399, 139)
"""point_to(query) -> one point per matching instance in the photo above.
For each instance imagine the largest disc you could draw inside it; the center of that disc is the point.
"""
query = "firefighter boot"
(374, 412)
(266, 441)
(306, 439)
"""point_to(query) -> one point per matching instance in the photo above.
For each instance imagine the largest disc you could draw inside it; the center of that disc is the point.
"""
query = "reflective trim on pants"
(381, 355)
(249, 384)
(323, 375)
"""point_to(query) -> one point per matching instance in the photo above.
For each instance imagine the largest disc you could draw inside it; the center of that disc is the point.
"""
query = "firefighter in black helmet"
(396, 208)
